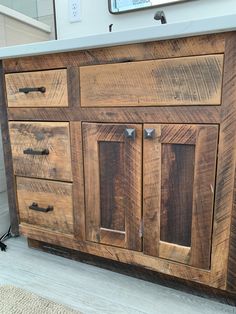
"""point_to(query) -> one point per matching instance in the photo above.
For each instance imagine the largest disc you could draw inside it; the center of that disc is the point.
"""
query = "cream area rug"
(18, 301)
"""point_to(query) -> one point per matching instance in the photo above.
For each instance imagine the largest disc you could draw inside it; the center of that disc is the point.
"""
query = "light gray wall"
(4, 211)
(41, 10)
(14, 31)
(36, 9)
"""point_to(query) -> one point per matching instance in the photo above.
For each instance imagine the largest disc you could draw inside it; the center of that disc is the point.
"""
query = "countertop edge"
(161, 32)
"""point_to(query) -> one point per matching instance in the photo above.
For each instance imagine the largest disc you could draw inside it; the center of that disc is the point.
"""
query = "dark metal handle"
(160, 15)
(130, 133)
(149, 134)
(30, 151)
(36, 207)
(27, 90)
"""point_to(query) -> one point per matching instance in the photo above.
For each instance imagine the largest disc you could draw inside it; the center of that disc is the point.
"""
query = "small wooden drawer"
(41, 150)
(44, 203)
(171, 82)
(37, 89)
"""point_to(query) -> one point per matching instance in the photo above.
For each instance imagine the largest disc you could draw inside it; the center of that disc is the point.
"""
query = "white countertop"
(160, 32)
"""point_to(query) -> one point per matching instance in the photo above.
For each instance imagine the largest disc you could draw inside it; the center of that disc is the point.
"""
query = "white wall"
(96, 18)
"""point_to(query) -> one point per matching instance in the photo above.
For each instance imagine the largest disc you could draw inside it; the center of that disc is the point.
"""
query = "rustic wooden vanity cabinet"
(128, 153)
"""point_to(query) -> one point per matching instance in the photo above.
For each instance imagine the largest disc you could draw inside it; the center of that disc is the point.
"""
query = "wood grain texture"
(38, 136)
(10, 180)
(175, 252)
(73, 88)
(55, 82)
(203, 194)
(221, 270)
(226, 202)
(184, 114)
(180, 47)
(46, 193)
(167, 189)
(171, 82)
(177, 177)
(124, 190)
(114, 237)
(78, 180)
(151, 191)
(112, 185)
(231, 284)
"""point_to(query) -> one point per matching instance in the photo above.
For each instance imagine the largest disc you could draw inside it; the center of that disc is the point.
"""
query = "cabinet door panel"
(179, 177)
(177, 174)
(112, 164)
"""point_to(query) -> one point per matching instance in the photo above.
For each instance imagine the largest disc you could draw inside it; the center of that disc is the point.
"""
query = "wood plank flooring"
(94, 290)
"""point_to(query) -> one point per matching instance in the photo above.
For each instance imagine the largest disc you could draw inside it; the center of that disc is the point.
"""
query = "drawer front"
(41, 150)
(171, 82)
(37, 89)
(45, 203)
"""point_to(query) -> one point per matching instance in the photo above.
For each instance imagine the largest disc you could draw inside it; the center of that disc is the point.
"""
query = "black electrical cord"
(4, 237)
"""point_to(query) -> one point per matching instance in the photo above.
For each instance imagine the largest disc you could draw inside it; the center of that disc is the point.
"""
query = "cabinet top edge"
(155, 33)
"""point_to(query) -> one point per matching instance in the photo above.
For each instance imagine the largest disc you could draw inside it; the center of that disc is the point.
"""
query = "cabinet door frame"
(93, 133)
(205, 139)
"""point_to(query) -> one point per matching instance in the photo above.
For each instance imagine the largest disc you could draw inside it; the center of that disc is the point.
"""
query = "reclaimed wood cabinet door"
(112, 166)
(178, 192)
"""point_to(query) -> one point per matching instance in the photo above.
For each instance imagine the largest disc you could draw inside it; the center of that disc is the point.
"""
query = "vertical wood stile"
(11, 189)
(228, 143)
(225, 174)
(78, 179)
(151, 191)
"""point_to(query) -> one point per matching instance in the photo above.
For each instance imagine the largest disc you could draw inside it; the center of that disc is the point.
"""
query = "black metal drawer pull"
(30, 151)
(27, 90)
(36, 207)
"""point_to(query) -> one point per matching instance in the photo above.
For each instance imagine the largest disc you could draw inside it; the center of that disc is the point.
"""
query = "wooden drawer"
(44, 203)
(52, 85)
(170, 82)
(41, 149)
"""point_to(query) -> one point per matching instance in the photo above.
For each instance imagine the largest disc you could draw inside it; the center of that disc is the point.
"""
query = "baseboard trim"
(137, 272)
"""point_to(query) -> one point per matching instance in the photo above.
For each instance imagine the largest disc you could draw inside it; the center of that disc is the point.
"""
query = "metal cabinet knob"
(149, 134)
(130, 133)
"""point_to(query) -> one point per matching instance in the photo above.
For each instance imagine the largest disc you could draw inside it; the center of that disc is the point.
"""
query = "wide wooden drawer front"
(45, 203)
(41, 149)
(169, 82)
(37, 89)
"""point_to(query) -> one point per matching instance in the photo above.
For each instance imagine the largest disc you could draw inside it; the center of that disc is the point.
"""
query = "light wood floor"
(94, 290)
